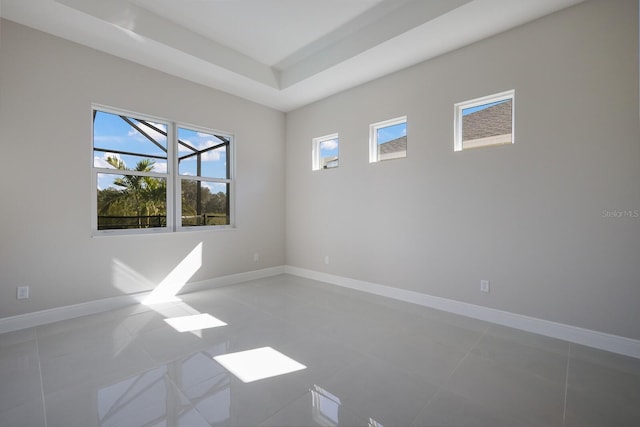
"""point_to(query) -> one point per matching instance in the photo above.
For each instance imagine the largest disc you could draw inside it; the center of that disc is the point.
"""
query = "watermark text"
(620, 213)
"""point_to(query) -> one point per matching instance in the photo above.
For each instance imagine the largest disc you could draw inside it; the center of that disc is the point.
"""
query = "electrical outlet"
(484, 286)
(326, 259)
(256, 257)
(23, 292)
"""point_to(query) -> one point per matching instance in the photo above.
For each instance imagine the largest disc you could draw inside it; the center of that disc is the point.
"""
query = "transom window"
(484, 122)
(388, 140)
(155, 175)
(325, 150)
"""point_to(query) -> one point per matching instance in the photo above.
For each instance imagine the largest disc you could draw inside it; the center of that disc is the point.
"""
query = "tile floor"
(369, 361)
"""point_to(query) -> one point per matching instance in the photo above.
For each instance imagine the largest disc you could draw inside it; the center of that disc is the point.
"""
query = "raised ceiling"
(280, 53)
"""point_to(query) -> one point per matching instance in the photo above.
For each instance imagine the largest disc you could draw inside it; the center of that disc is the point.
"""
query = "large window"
(388, 140)
(155, 175)
(484, 122)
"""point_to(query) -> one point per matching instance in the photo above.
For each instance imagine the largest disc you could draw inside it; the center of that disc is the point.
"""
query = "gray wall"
(47, 86)
(529, 217)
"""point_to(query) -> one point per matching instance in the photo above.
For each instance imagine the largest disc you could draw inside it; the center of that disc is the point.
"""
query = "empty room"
(319, 213)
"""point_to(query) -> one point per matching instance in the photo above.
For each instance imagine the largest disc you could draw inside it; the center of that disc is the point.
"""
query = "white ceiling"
(280, 53)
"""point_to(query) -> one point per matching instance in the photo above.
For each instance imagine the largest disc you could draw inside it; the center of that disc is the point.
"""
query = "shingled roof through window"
(491, 121)
(393, 146)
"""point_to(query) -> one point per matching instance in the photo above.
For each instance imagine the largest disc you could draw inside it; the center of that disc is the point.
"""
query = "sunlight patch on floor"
(194, 322)
(259, 363)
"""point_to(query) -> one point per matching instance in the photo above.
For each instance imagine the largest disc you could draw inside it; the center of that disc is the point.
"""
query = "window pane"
(204, 203)
(126, 143)
(392, 141)
(203, 154)
(488, 124)
(329, 153)
(130, 201)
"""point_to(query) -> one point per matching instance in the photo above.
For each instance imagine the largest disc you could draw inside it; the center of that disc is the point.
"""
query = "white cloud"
(212, 156)
(157, 136)
(101, 162)
(183, 149)
(209, 156)
(331, 144)
(215, 187)
(160, 167)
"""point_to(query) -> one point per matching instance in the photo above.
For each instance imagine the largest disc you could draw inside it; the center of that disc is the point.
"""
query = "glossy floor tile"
(362, 360)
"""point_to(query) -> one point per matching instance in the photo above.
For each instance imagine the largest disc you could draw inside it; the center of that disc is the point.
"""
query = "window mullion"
(111, 171)
(173, 190)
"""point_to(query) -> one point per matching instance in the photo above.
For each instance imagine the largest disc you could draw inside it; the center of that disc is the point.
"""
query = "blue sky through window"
(329, 148)
(125, 140)
(114, 137)
(390, 133)
(213, 162)
(470, 110)
(131, 141)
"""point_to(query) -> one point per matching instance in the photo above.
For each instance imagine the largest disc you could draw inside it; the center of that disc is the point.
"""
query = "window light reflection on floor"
(195, 322)
(257, 364)
(326, 407)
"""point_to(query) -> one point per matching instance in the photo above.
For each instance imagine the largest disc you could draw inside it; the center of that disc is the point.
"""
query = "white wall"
(528, 217)
(47, 86)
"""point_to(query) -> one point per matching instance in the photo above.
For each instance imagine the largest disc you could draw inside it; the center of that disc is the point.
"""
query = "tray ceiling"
(280, 53)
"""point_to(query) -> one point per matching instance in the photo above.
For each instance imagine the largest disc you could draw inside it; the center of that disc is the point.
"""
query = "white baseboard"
(29, 320)
(232, 279)
(603, 341)
(608, 342)
(37, 318)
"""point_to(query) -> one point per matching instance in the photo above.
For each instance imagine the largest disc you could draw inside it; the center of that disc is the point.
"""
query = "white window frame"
(373, 136)
(316, 159)
(173, 197)
(461, 106)
(231, 181)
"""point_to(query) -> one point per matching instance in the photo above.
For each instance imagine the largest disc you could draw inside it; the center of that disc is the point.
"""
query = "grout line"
(591, 338)
(431, 399)
(566, 387)
(468, 352)
(444, 384)
(44, 404)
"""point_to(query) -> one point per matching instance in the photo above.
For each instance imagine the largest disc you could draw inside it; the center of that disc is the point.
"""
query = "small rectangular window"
(388, 140)
(325, 152)
(484, 122)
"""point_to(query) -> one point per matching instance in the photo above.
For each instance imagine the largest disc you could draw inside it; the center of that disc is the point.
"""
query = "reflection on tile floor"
(368, 361)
